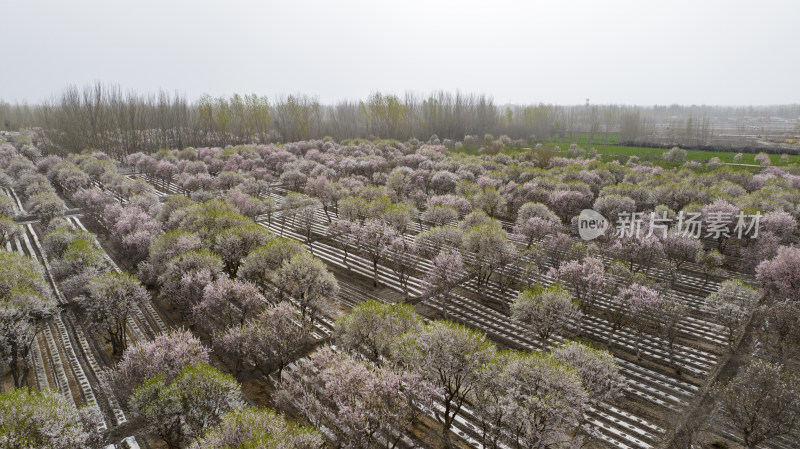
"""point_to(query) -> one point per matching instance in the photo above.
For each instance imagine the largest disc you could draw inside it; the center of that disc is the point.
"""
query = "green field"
(621, 153)
(614, 151)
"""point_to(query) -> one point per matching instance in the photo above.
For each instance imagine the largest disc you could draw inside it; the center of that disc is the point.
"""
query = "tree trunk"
(117, 344)
(24, 376)
(403, 280)
(15, 374)
(446, 423)
(639, 345)
(672, 360)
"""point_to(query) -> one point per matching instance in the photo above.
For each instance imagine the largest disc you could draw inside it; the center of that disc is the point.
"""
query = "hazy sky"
(634, 52)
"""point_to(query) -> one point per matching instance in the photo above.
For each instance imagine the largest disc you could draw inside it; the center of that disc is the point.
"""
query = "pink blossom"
(780, 276)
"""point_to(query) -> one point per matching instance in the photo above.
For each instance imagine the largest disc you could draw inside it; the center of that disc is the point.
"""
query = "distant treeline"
(103, 117)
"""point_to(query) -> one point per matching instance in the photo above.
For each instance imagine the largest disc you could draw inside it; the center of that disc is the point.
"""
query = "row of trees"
(393, 368)
(26, 301)
(399, 367)
(174, 394)
(36, 193)
(223, 271)
(104, 117)
(239, 266)
(29, 418)
(760, 399)
(171, 391)
(414, 175)
(166, 384)
(542, 202)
